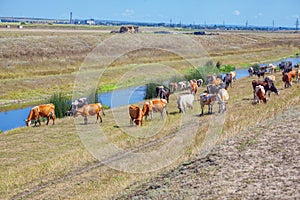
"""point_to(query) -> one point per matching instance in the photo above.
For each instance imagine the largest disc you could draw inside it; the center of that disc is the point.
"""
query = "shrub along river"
(15, 118)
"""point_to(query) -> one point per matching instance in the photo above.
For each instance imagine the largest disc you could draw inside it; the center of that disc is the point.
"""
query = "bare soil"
(259, 163)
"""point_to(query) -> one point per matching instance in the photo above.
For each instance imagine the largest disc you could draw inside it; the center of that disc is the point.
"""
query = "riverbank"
(52, 162)
(37, 64)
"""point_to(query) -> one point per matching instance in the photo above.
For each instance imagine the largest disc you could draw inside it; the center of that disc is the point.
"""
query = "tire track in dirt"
(259, 163)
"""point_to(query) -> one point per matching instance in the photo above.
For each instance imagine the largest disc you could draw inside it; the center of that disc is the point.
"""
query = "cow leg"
(48, 119)
(85, 120)
(99, 116)
(202, 110)
(53, 118)
(39, 121)
(131, 122)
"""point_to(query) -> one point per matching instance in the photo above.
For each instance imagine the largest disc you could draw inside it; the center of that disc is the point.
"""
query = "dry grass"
(35, 156)
(35, 64)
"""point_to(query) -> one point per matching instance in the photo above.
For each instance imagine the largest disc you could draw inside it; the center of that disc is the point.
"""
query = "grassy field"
(52, 162)
(35, 64)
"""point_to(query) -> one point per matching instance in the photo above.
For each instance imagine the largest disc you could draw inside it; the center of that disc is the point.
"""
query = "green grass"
(62, 104)
(36, 64)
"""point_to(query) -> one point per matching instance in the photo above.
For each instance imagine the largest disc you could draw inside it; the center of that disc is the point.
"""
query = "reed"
(62, 104)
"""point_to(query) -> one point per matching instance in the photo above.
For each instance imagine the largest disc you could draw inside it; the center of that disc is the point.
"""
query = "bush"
(93, 97)
(202, 72)
(226, 68)
(62, 104)
(150, 90)
(218, 64)
(255, 67)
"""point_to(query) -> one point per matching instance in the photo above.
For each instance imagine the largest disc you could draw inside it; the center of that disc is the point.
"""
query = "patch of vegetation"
(93, 97)
(150, 91)
(255, 67)
(202, 72)
(108, 87)
(62, 104)
(226, 68)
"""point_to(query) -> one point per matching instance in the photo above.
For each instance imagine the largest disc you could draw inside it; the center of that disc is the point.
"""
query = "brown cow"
(233, 75)
(136, 115)
(90, 110)
(194, 87)
(173, 86)
(260, 94)
(45, 110)
(287, 78)
(155, 105)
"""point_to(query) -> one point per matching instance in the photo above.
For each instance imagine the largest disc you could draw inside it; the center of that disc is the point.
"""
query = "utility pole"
(70, 17)
(297, 24)
(247, 25)
(273, 27)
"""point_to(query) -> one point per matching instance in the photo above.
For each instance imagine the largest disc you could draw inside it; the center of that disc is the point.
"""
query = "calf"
(185, 101)
(136, 115)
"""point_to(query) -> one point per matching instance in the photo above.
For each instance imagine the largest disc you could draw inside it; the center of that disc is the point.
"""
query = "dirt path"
(260, 163)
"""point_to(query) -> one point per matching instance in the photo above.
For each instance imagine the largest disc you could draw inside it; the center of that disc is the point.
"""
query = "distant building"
(90, 22)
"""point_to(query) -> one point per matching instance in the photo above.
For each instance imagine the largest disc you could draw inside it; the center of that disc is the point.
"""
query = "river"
(16, 118)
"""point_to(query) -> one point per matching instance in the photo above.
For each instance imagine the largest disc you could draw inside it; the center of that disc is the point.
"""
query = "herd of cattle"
(216, 91)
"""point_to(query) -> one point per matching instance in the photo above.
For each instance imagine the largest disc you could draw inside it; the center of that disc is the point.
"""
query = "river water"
(15, 118)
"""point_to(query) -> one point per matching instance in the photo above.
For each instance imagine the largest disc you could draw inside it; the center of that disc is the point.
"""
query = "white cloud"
(296, 16)
(258, 15)
(128, 12)
(236, 12)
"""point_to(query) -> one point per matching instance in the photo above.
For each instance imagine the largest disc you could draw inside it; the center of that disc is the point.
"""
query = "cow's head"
(137, 122)
(27, 122)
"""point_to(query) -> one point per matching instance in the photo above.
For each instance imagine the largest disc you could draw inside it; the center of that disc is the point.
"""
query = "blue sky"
(257, 12)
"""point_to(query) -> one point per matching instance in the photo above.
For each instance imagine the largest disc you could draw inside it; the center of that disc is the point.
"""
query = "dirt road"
(260, 163)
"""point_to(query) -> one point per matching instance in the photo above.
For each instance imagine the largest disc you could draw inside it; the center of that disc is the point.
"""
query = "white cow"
(185, 101)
